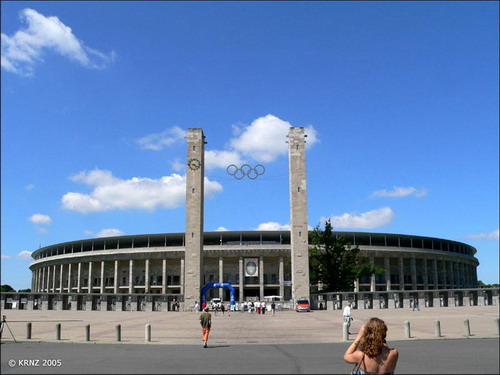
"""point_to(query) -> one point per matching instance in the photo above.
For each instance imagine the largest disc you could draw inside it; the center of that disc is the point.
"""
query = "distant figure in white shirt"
(348, 316)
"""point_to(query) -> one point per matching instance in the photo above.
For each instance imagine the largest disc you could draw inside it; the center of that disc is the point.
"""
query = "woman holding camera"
(370, 350)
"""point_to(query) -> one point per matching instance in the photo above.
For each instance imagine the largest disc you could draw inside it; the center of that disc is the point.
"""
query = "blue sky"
(399, 99)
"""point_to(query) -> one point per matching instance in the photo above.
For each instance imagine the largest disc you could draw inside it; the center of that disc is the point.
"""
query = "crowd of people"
(257, 307)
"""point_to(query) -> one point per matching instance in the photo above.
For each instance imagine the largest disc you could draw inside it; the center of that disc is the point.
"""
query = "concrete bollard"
(28, 331)
(345, 332)
(87, 332)
(497, 325)
(58, 331)
(407, 329)
(437, 328)
(147, 337)
(118, 332)
(467, 327)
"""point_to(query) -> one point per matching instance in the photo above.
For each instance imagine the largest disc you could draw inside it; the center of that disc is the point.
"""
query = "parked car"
(302, 305)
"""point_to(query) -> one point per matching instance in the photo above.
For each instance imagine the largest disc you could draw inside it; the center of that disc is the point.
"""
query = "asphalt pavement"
(452, 356)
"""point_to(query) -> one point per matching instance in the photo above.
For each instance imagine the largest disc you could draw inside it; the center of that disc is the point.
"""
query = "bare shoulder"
(394, 353)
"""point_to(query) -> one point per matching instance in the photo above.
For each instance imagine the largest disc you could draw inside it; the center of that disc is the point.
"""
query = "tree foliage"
(334, 262)
(6, 288)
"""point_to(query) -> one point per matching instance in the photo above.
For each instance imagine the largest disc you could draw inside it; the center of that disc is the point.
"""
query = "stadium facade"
(176, 266)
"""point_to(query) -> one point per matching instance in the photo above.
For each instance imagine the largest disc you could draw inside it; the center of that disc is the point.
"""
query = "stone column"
(468, 270)
(130, 276)
(33, 281)
(452, 274)
(90, 283)
(42, 279)
(425, 274)
(401, 273)
(164, 276)
(466, 275)
(413, 263)
(282, 277)
(221, 277)
(79, 280)
(146, 285)
(37, 280)
(387, 266)
(183, 268)
(54, 279)
(102, 278)
(48, 279)
(61, 272)
(242, 279)
(372, 277)
(70, 266)
(42, 285)
(261, 277)
(116, 281)
(298, 213)
(193, 250)
(445, 279)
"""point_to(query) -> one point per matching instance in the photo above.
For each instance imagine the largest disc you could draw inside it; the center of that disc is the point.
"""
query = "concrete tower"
(193, 255)
(298, 213)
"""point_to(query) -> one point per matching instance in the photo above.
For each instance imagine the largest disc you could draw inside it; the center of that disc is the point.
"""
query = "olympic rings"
(245, 170)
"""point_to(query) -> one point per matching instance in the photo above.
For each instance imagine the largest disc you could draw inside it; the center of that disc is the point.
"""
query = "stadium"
(158, 272)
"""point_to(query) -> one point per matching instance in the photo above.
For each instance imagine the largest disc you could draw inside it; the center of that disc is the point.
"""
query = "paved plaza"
(288, 343)
(287, 327)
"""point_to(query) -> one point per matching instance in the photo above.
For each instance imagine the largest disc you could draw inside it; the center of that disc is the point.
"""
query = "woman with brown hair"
(370, 350)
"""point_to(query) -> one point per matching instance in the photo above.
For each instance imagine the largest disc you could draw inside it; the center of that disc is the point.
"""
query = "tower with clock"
(193, 256)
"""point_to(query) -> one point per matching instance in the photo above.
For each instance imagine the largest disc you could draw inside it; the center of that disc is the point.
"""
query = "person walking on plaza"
(273, 308)
(348, 316)
(369, 351)
(196, 306)
(206, 324)
(415, 304)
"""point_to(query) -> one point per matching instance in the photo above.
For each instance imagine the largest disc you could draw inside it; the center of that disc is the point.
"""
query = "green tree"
(6, 288)
(25, 290)
(335, 263)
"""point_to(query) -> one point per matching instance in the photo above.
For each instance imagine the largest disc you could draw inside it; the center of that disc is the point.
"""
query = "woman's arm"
(352, 355)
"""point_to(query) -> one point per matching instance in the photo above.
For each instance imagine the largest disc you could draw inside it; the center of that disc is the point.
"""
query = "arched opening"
(217, 285)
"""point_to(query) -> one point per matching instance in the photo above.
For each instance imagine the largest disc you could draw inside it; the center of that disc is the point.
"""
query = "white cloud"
(22, 50)
(492, 236)
(112, 193)
(158, 141)
(29, 186)
(367, 220)
(42, 230)
(221, 229)
(25, 254)
(6, 256)
(400, 191)
(222, 159)
(264, 139)
(40, 219)
(107, 232)
(178, 165)
(272, 225)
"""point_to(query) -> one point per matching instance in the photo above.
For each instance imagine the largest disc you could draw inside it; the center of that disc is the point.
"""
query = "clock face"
(251, 268)
(194, 164)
